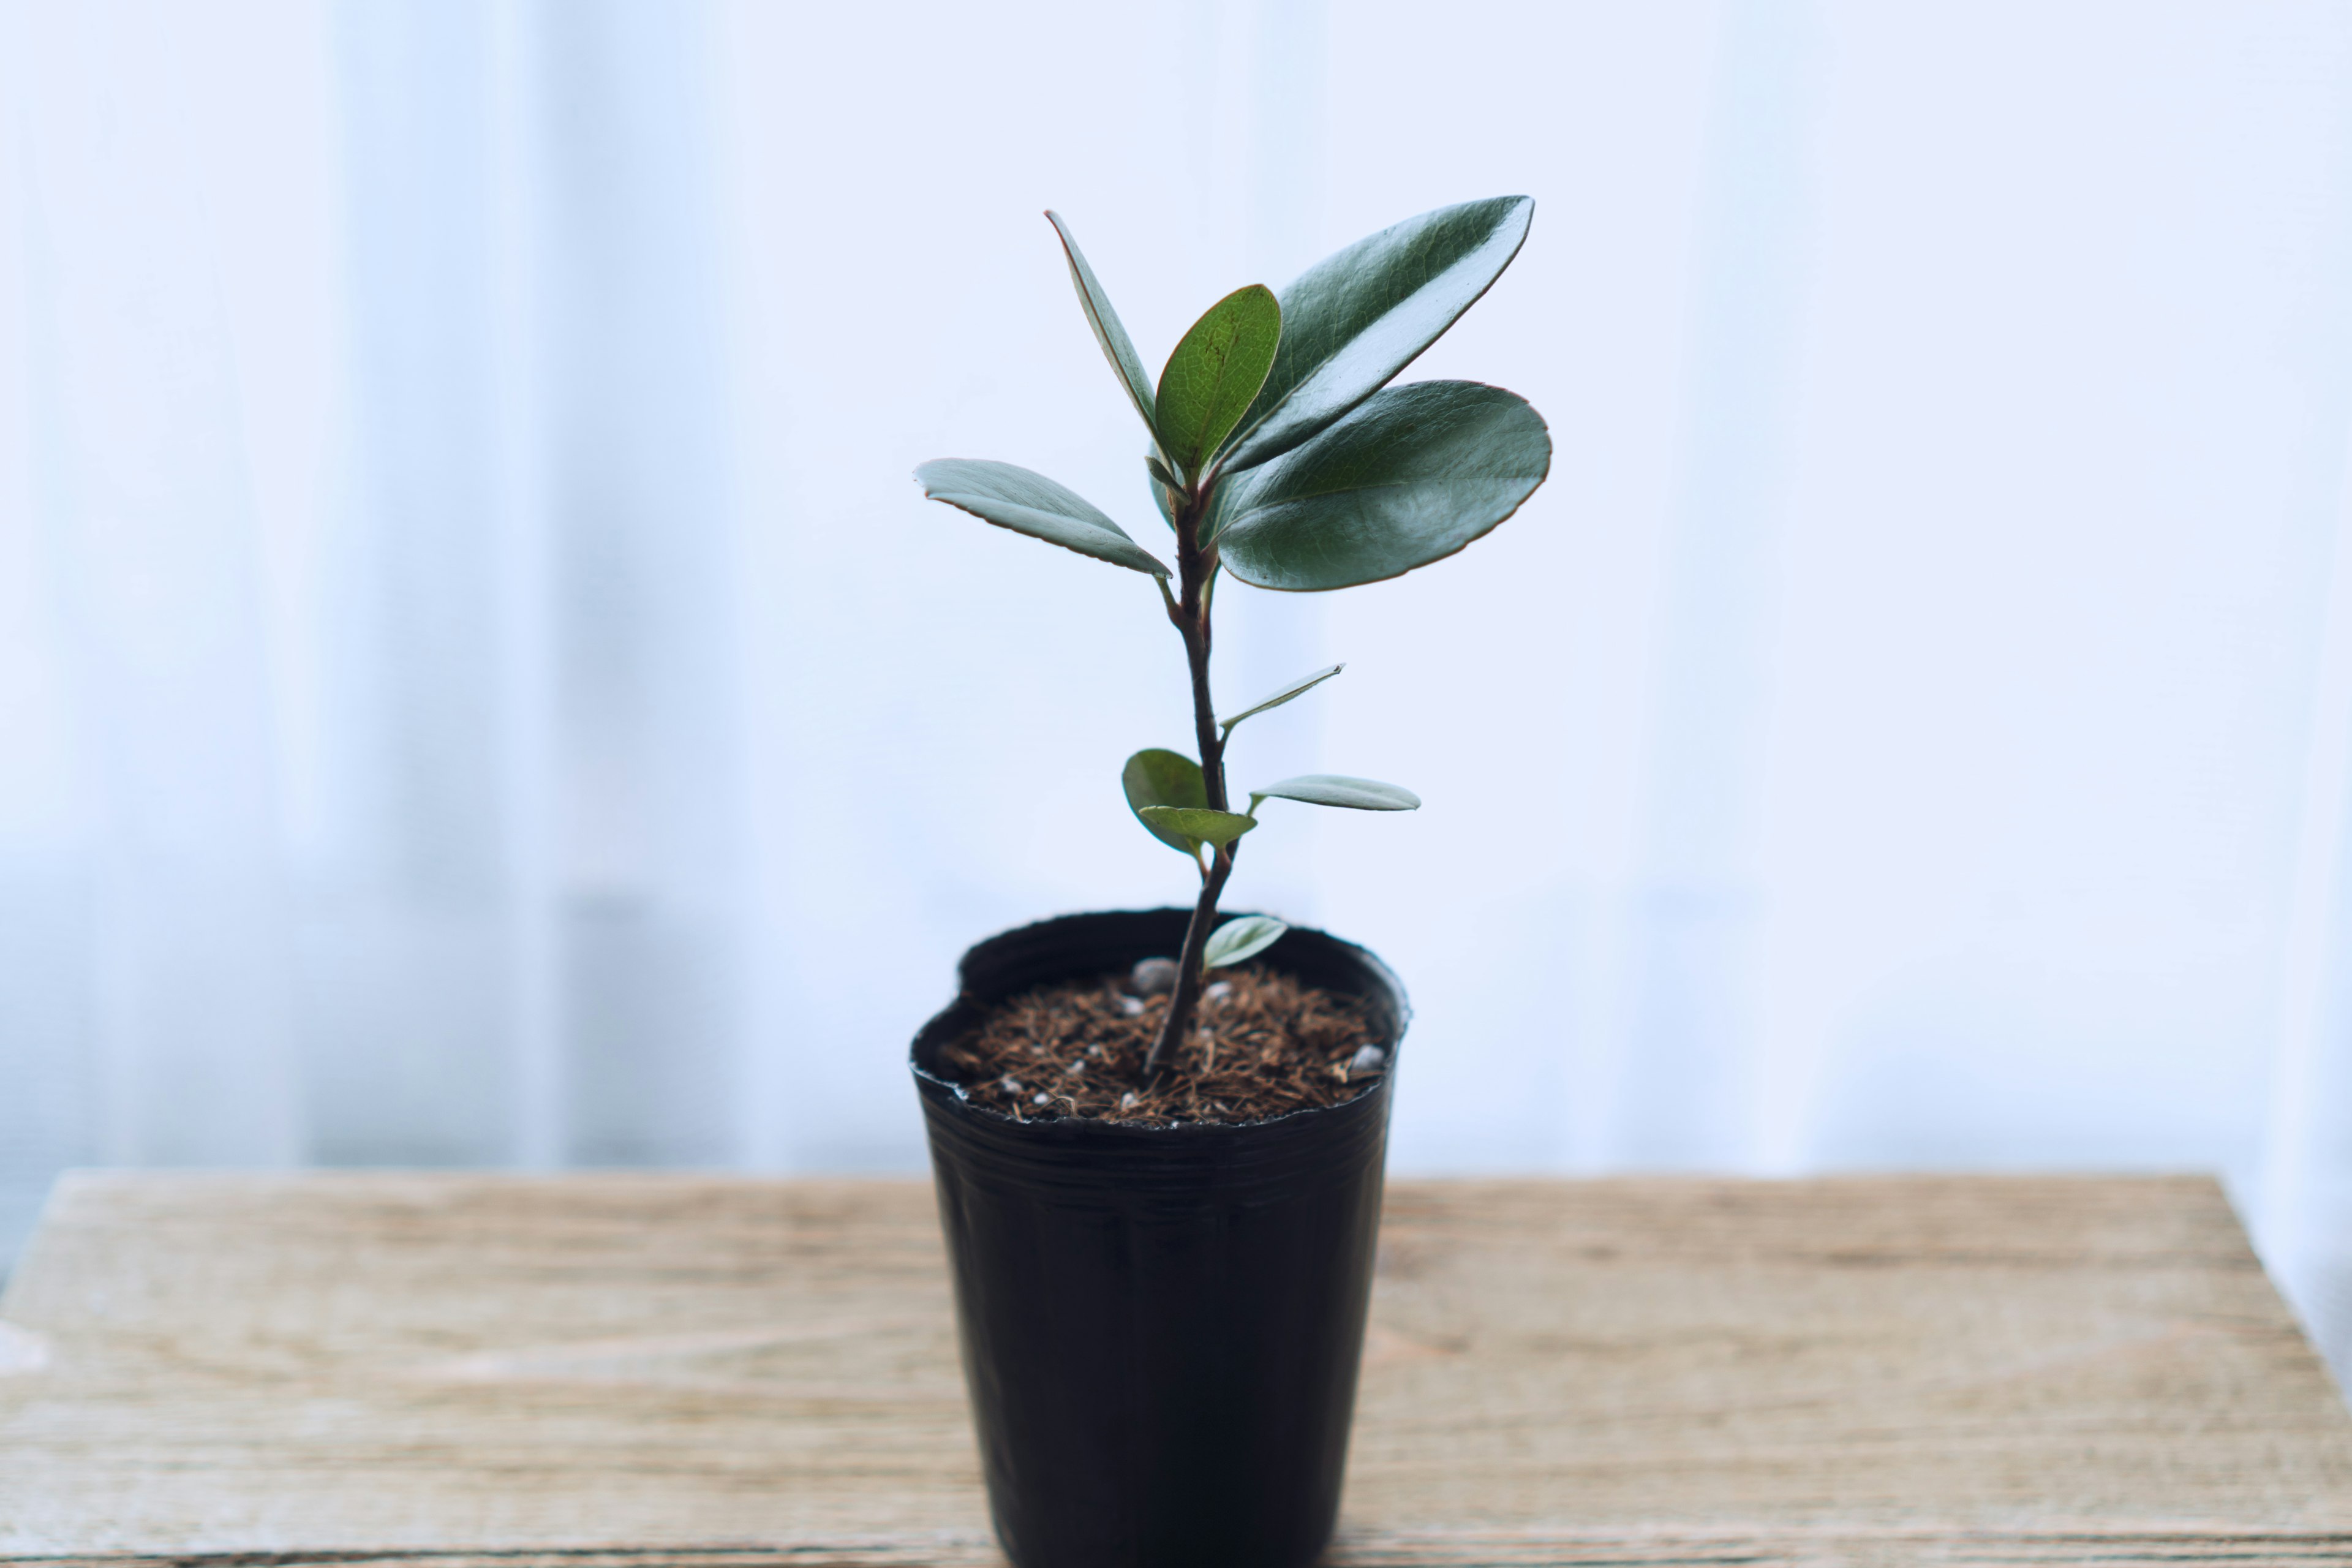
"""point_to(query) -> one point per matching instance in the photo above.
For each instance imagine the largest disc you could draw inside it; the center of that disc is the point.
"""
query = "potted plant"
(1162, 1257)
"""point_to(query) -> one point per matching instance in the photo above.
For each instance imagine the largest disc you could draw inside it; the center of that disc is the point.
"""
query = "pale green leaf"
(1245, 936)
(1298, 688)
(1031, 503)
(1338, 789)
(1109, 331)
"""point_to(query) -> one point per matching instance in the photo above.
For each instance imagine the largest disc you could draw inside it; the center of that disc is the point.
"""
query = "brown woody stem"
(1195, 566)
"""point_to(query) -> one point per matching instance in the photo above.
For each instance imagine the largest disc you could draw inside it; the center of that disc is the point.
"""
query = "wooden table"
(602, 1371)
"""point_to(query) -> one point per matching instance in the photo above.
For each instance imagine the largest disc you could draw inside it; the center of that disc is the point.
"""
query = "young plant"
(1280, 454)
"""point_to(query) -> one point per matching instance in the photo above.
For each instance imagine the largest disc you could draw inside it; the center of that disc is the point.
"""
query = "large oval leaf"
(1338, 789)
(1108, 330)
(1352, 320)
(1412, 476)
(1218, 827)
(1031, 503)
(1215, 373)
(1157, 777)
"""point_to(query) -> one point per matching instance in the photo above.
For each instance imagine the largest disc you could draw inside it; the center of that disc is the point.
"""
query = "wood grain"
(615, 1371)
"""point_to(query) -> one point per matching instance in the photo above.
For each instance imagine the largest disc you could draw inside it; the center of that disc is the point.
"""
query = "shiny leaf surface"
(1031, 503)
(1412, 476)
(1109, 331)
(1154, 778)
(1242, 938)
(1218, 827)
(1353, 319)
(1215, 373)
(1298, 688)
(1338, 789)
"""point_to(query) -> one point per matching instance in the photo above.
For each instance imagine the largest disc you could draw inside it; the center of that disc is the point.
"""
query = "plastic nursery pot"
(1161, 1325)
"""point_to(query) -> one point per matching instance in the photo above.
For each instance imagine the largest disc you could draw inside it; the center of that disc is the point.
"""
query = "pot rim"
(950, 1097)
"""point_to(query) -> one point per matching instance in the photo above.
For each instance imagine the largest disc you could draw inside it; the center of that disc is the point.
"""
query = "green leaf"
(1108, 331)
(1354, 319)
(1298, 688)
(1032, 504)
(1245, 936)
(1338, 789)
(1162, 482)
(1412, 476)
(1214, 373)
(1218, 827)
(1155, 778)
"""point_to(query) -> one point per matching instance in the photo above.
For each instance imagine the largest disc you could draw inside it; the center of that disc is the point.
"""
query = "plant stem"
(1196, 567)
(1186, 997)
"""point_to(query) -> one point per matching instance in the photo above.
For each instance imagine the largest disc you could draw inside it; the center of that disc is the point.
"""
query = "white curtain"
(477, 685)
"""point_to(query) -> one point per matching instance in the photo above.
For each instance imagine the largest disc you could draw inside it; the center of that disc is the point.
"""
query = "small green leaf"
(1355, 319)
(1214, 372)
(1031, 503)
(1162, 482)
(1338, 789)
(1154, 778)
(1410, 477)
(1108, 331)
(1218, 827)
(1298, 688)
(1245, 936)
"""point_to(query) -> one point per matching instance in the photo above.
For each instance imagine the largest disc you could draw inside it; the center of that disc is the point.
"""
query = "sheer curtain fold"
(538, 860)
(479, 688)
(153, 878)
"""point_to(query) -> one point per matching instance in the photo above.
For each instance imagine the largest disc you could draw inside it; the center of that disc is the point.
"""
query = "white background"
(478, 686)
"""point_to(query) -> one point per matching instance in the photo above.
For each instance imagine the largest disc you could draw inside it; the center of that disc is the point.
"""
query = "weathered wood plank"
(436, 1371)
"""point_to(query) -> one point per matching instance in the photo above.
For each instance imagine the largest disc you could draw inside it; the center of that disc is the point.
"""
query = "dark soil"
(1262, 1045)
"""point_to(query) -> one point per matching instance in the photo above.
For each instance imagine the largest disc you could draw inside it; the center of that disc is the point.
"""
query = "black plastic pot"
(1161, 1326)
